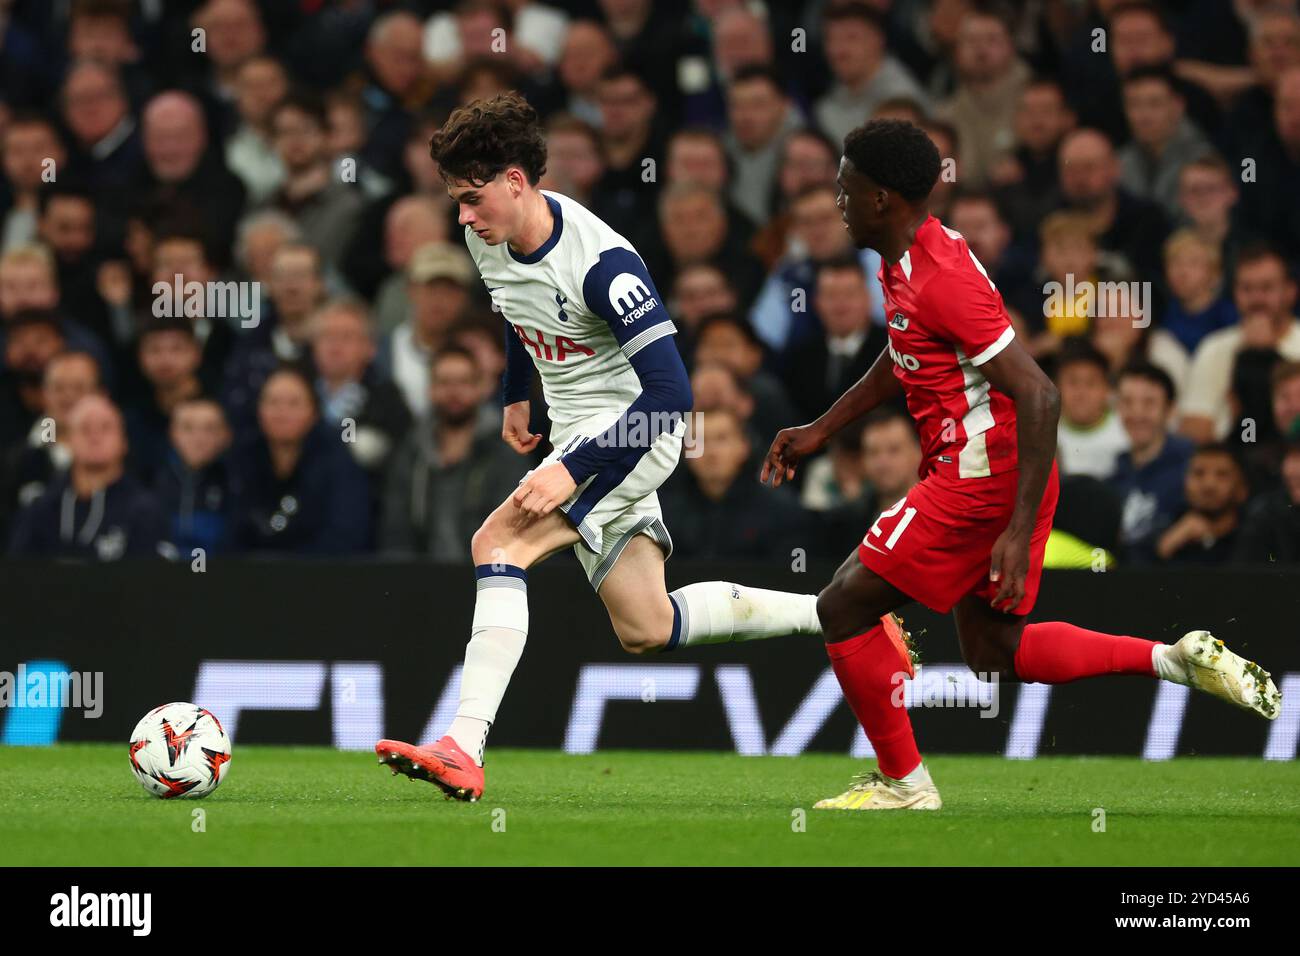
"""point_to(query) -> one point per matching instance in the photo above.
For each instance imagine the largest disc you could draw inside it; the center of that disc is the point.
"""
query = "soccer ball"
(179, 750)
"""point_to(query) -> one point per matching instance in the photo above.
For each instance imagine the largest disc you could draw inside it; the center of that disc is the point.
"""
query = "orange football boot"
(443, 764)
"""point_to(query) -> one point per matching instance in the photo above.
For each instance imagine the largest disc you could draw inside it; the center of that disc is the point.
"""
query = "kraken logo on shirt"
(630, 297)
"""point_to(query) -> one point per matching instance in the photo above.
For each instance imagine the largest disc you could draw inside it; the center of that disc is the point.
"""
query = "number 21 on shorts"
(901, 525)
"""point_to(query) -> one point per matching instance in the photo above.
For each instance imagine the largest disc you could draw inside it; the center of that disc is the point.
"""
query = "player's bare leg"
(509, 542)
(647, 618)
(1055, 652)
(869, 665)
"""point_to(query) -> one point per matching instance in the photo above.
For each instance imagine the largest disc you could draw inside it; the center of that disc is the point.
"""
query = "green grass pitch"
(80, 805)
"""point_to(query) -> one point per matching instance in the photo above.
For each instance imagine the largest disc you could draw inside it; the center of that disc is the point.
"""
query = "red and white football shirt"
(946, 319)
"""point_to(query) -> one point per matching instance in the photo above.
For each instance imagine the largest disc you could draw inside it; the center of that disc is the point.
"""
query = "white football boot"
(1200, 660)
(874, 791)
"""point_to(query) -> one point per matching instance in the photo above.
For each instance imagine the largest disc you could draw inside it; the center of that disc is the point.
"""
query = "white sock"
(495, 646)
(1165, 668)
(918, 776)
(718, 612)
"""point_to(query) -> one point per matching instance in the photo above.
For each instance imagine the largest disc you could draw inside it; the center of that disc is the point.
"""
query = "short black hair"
(732, 319)
(1150, 372)
(838, 10)
(1079, 351)
(760, 71)
(1226, 451)
(156, 325)
(482, 139)
(26, 317)
(896, 154)
(55, 191)
(1159, 72)
(848, 262)
(451, 350)
(306, 101)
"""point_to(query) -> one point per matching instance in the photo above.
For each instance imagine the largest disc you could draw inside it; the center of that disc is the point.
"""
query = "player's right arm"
(792, 445)
(515, 385)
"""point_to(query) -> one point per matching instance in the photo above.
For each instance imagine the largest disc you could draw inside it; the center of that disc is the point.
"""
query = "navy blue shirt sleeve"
(619, 289)
(517, 381)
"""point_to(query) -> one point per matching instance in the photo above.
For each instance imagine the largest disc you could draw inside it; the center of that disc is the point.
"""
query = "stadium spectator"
(693, 228)
(1125, 337)
(808, 159)
(438, 281)
(180, 257)
(1194, 275)
(866, 74)
(1148, 476)
(299, 488)
(31, 151)
(1215, 489)
(698, 291)
(452, 469)
(629, 139)
(260, 84)
(325, 209)
(587, 53)
(170, 359)
(1123, 224)
(353, 395)
(29, 280)
(105, 148)
(719, 511)
(195, 486)
(412, 222)
(785, 312)
(990, 79)
(1207, 202)
(1089, 438)
(761, 116)
(574, 164)
(730, 341)
(1025, 181)
(32, 338)
(67, 227)
(184, 175)
(297, 289)
(1270, 532)
(1265, 294)
(95, 511)
(1164, 138)
(30, 464)
(1270, 206)
(826, 365)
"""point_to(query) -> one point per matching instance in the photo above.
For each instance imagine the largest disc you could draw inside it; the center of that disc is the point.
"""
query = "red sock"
(1055, 652)
(867, 666)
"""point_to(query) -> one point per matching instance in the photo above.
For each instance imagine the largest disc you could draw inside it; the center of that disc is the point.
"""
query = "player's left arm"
(970, 312)
(1038, 408)
(618, 288)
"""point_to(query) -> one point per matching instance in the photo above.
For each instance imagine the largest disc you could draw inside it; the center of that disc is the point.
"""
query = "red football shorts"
(935, 544)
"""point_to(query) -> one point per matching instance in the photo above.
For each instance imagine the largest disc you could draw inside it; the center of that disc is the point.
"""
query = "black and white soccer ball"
(179, 750)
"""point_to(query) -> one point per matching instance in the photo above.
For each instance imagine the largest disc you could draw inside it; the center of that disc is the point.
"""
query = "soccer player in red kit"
(970, 536)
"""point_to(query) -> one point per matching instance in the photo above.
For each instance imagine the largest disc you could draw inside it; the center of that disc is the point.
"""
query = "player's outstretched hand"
(514, 428)
(545, 489)
(789, 447)
(1008, 567)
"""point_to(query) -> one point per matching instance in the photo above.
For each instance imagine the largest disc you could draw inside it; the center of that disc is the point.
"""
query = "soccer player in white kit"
(583, 311)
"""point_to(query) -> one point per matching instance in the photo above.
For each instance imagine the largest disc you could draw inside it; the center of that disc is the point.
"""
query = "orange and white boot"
(443, 764)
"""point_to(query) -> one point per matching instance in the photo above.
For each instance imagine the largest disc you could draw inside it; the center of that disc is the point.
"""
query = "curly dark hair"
(479, 140)
(896, 154)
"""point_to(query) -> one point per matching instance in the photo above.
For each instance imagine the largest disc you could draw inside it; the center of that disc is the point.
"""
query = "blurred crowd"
(238, 314)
